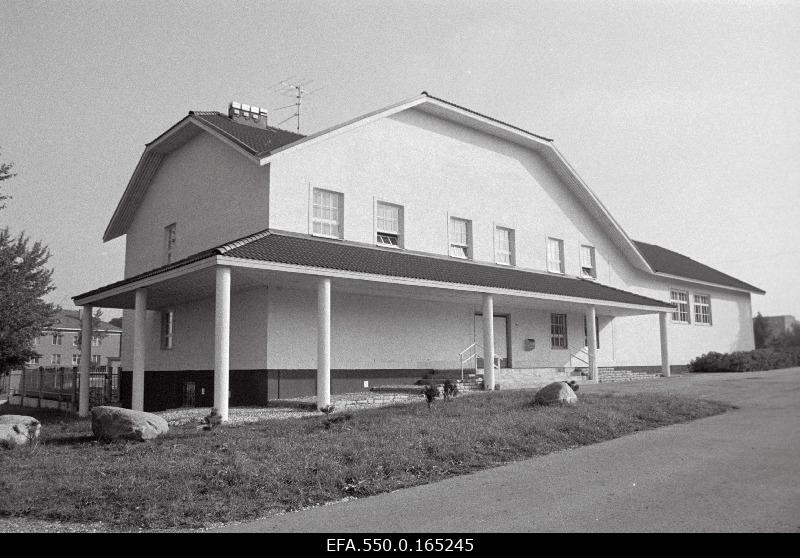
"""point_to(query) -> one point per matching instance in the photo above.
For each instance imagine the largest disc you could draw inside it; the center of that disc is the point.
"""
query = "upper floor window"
(555, 255)
(327, 213)
(681, 301)
(74, 340)
(76, 359)
(35, 340)
(558, 331)
(167, 329)
(588, 268)
(504, 246)
(388, 221)
(169, 243)
(96, 359)
(96, 341)
(33, 360)
(702, 309)
(58, 338)
(55, 358)
(460, 238)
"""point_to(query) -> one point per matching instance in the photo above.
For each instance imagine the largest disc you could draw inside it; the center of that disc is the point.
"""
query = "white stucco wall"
(212, 193)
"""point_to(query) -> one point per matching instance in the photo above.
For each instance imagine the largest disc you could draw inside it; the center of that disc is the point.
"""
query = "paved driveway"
(739, 471)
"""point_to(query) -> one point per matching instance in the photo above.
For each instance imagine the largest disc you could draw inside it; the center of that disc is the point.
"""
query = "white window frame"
(559, 340)
(677, 301)
(703, 319)
(55, 358)
(384, 234)
(501, 252)
(76, 359)
(57, 336)
(456, 245)
(551, 240)
(169, 242)
(96, 359)
(323, 222)
(592, 274)
(167, 330)
(33, 361)
(74, 340)
(96, 341)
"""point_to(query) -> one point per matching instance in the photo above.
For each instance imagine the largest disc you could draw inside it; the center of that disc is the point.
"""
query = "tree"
(760, 331)
(786, 339)
(24, 280)
(5, 174)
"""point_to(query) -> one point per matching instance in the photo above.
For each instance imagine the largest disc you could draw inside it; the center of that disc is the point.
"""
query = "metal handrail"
(474, 348)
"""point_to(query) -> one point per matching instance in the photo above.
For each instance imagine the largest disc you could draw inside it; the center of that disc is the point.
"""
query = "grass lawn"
(191, 478)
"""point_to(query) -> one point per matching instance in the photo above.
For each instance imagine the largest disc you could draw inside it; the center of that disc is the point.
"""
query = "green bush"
(746, 361)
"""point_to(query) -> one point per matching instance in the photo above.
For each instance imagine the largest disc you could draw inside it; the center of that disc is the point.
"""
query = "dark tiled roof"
(70, 319)
(257, 141)
(304, 250)
(667, 261)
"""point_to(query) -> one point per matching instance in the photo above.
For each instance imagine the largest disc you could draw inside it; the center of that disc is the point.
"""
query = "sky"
(683, 117)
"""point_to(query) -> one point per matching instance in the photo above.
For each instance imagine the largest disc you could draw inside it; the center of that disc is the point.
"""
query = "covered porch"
(414, 285)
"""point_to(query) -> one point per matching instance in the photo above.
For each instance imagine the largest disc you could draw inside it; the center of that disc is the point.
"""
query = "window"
(55, 358)
(681, 300)
(460, 238)
(167, 329)
(96, 360)
(587, 262)
(35, 340)
(702, 309)
(57, 338)
(169, 242)
(74, 340)
(76, 359)
(388, 218)
(596, 331)
(327, 213)
(558, 331)
(504, 246)
(555, 255)
(33, 360)
(95, 341)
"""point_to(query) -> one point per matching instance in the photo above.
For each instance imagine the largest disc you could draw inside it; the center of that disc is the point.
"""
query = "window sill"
(326, 236)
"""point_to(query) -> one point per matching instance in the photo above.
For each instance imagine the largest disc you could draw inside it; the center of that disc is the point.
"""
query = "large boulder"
(115, 423)
(557, 393)
(18, 430)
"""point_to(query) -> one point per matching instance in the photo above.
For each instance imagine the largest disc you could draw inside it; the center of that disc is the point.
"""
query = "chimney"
(245, 114)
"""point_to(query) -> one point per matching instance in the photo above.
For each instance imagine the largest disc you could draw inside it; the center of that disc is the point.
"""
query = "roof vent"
(248, 115)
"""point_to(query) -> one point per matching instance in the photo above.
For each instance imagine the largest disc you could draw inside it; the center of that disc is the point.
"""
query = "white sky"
(683, 117)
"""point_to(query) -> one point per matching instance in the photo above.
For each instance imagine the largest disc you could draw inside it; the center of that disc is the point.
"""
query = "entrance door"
(500, 339)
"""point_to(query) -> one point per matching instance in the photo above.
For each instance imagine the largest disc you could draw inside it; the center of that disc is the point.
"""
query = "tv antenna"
(298, 90)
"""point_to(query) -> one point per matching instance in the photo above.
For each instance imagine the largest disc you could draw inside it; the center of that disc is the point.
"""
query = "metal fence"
(59, 387)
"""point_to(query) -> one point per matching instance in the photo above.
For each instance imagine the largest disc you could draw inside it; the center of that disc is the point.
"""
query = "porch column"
(139, 346)
(86, 358)
(591, 340)
(323, 342)
(222, 330)
(488, 342)
(662, 322)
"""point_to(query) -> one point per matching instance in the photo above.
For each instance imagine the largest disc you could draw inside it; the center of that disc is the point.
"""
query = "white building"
(265, 264)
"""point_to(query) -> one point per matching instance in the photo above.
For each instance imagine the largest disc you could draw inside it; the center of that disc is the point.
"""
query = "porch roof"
(305, 251)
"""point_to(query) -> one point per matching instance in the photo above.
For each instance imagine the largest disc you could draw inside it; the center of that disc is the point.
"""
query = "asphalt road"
(735, 472)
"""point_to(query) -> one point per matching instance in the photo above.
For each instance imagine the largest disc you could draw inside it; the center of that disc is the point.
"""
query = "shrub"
(450, 389)
(746, 361)
(430, 393)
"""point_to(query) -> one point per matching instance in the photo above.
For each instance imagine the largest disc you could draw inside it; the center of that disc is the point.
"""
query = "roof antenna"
(298, 90)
